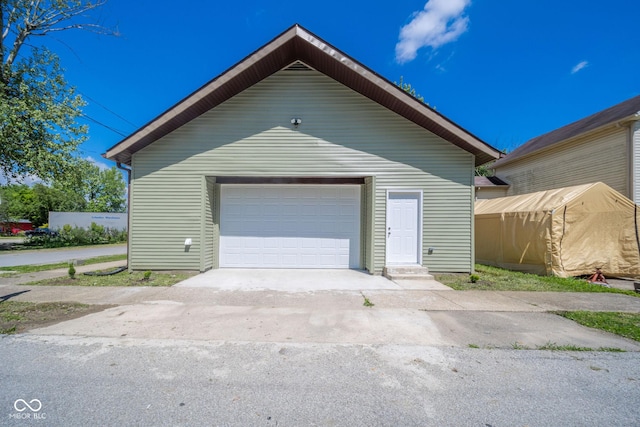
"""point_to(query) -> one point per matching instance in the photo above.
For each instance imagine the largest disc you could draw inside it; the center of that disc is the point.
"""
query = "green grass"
(499, 279)
(624, 324)
(20, 269)
(121, 279)
(517, 346)
(551, 346)
(570, 347)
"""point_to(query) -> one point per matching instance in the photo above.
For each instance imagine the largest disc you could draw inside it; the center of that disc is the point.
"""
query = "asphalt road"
(102, 381)
(51, 256)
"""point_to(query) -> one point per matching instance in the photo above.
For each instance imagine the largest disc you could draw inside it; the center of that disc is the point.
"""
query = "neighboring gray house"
(604, 147)
(301, 157)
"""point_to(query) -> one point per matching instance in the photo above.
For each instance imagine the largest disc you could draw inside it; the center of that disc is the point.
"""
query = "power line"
(119, 132)
(109, 110)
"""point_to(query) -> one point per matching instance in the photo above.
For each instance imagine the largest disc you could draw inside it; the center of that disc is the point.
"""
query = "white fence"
(117, 221)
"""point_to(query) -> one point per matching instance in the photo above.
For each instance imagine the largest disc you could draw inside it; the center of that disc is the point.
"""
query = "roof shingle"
(621, 111)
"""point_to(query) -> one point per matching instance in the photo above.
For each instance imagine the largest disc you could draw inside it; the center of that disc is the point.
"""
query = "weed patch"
(517, 346)
(551, 346)
(366, 302)
(566, 347)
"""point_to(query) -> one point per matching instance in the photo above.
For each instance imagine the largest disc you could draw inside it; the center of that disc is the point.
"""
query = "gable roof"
(627, 110)
(298, 44)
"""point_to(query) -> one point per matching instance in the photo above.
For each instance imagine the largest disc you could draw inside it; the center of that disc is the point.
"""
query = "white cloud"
(99, 164)
(579, 66)
(441, 22)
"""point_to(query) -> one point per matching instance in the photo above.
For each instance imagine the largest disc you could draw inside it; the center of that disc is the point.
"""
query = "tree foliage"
(484, 170)
(38, 108)
(411, 91)
(38, 113)
(102, 190)
(87, 189)
(20, 201)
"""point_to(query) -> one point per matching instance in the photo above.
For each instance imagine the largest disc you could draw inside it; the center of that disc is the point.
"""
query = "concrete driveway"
(288, 280)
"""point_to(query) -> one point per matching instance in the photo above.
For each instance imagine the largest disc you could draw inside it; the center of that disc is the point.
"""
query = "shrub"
(72, 271)
(75, 236)
(473, 278)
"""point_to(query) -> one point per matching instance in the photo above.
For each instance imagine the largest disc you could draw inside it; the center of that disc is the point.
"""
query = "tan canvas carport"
(564, 232)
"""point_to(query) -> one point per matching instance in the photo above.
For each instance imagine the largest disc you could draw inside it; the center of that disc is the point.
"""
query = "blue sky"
(505, 71)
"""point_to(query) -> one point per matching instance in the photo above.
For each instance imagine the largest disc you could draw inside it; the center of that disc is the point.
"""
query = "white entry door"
(403, 228)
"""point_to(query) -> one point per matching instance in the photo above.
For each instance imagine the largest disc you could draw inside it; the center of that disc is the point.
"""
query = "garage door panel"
(289, 226)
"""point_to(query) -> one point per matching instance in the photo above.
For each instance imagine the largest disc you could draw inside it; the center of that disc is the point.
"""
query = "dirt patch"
(156, 278)
(18, 316)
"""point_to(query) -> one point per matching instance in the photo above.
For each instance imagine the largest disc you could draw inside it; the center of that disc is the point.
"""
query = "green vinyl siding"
(342, 134)
(208, 232)
(167, 211)
(368, 209)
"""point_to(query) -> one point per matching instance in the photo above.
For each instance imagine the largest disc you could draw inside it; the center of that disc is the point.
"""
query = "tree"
(18, 202)
(5, 215)
(105, 190)
(411, 90)
(38, 119)
(38, 108)
(484, 170)
(95, 189)
(34, 203)
(86, 188)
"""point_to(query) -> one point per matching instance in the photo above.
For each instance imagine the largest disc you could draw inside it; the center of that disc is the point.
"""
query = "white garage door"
(290, 226)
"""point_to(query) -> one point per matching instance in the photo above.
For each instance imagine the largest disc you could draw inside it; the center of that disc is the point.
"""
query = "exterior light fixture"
(296, 121)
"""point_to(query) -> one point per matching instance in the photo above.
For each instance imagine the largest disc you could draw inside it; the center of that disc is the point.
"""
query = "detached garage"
(301, 157)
